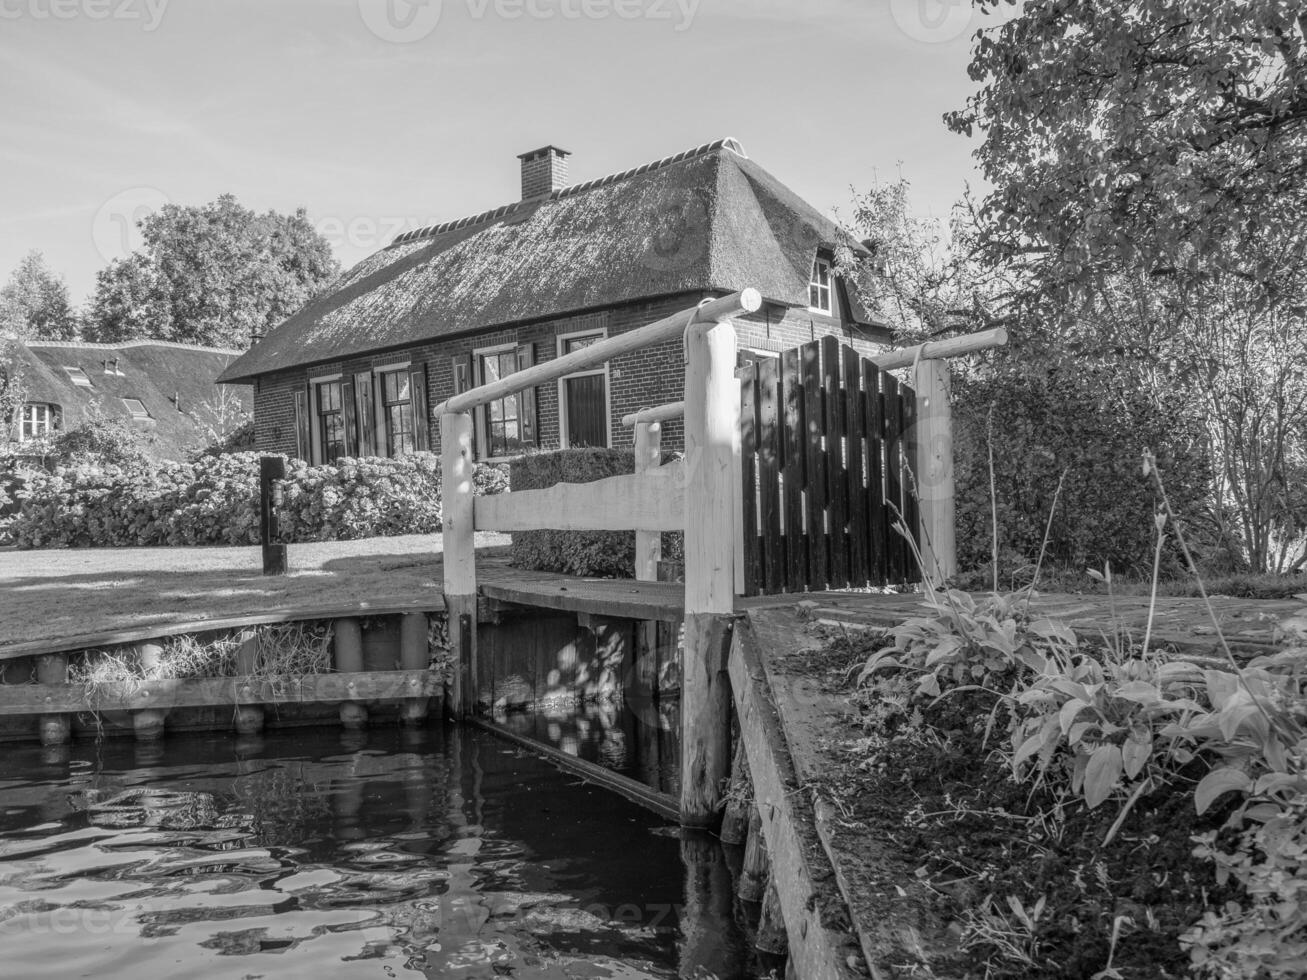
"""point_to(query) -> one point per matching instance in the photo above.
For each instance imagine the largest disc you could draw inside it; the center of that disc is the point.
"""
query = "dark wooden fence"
(823, 440)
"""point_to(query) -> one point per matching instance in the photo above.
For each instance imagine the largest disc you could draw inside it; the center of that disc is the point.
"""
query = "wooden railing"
(699, 495)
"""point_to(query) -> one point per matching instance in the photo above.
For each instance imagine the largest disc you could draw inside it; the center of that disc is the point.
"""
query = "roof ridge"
(93, 345)
(726, 143)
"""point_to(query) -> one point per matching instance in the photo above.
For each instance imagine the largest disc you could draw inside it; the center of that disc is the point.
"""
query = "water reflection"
(444, 853)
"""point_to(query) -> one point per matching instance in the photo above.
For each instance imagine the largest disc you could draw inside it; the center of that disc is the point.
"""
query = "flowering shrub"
(215, 500)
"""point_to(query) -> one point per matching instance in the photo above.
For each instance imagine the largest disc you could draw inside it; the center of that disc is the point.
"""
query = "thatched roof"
(177, 384)
(706, 219)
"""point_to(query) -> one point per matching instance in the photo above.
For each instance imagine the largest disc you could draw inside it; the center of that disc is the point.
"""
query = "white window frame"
(564, 440)
(315, 435)
(46, 424)
(145, 415)
(382, 435)
(819, 262)
(482, 427)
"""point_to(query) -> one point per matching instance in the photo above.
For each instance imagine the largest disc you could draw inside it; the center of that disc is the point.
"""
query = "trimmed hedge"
(595, 554)
(607, 554)
(214, 500)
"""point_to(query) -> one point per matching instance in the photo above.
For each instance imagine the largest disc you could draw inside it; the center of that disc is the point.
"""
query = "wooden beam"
(199, 692)
(953, 347)
(660, 413)
(669, 327)
(653, 500)
(459, 542)
(933, 441)
(814, 912)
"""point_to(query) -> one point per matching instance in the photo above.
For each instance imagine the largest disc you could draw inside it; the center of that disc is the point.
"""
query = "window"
(397, 412)
(819, 287)
(583, 396)
(78, 377)
(331, 421)
(503, 416)
(137, 408)
(37, 421)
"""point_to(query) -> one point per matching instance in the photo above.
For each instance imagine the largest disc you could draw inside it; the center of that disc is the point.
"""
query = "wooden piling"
(459, 544)
(735, 817)
(347, 643)
(771, 936)
(148, 723)
(712, 412)
(54, 729)
(414, 654)
(757, 866)
(648, 553)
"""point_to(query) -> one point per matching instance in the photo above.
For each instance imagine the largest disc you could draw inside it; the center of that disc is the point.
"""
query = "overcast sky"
(378, 115)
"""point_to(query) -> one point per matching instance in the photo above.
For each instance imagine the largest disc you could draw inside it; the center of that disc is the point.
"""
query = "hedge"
(214, 500)
(1091, 426)
(607, 554)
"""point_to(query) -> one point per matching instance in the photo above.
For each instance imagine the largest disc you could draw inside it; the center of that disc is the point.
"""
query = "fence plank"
(769, 476)
(796, 540)
(814, 417)
(837, 490)
(855, 420)
(895, 544)
(874, 425)
(749, 478)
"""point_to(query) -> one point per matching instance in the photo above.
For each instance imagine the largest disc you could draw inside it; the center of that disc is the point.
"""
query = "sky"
(376, 116)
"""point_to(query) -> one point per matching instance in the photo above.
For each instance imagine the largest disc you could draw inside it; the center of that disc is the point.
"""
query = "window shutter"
(417, 395)
(462, 373)
(303, 445)
(367, 417)
(350, 413)
(526, 357)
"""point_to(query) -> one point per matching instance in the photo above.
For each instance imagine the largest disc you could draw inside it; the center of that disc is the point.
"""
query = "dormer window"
(38, 420)
(819, 286)
(78, 377)
(137, 408)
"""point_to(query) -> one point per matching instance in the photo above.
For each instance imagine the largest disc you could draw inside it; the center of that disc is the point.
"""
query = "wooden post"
(148, 722)
(348, 647)
(459, 545)
(414, 654)
(757, 865)
(272, 469)
(712, 411)
(933, 464)
(55, 729)
(648, 552)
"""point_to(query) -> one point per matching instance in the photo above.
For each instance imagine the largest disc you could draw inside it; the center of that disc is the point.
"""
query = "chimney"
(543, 171)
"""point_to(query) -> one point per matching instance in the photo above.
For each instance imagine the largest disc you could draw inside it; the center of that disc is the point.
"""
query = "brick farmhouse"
(445, 308)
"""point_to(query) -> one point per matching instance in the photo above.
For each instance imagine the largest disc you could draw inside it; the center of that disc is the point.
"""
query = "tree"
(131, 301)
(34, 302)
(1164, 137)
(214, 274)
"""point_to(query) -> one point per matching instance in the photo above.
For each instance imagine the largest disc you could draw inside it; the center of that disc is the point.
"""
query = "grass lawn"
(55, 594)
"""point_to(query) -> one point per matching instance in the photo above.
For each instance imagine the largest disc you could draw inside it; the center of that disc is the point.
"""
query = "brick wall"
(640, 379)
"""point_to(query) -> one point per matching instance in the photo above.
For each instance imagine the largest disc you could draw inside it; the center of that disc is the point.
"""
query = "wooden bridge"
(793, 478)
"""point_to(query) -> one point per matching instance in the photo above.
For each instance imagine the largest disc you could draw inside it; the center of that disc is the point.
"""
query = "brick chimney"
(543, 171)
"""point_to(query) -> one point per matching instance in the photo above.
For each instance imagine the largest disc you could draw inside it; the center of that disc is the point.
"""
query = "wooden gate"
(823, 443)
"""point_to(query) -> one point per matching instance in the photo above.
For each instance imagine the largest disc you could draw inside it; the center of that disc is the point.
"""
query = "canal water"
(442, 852)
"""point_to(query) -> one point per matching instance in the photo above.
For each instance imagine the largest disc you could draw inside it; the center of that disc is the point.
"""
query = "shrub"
(214, 500)
(1084, 425)
(107, 441)
(591, 553)
(239, 440)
